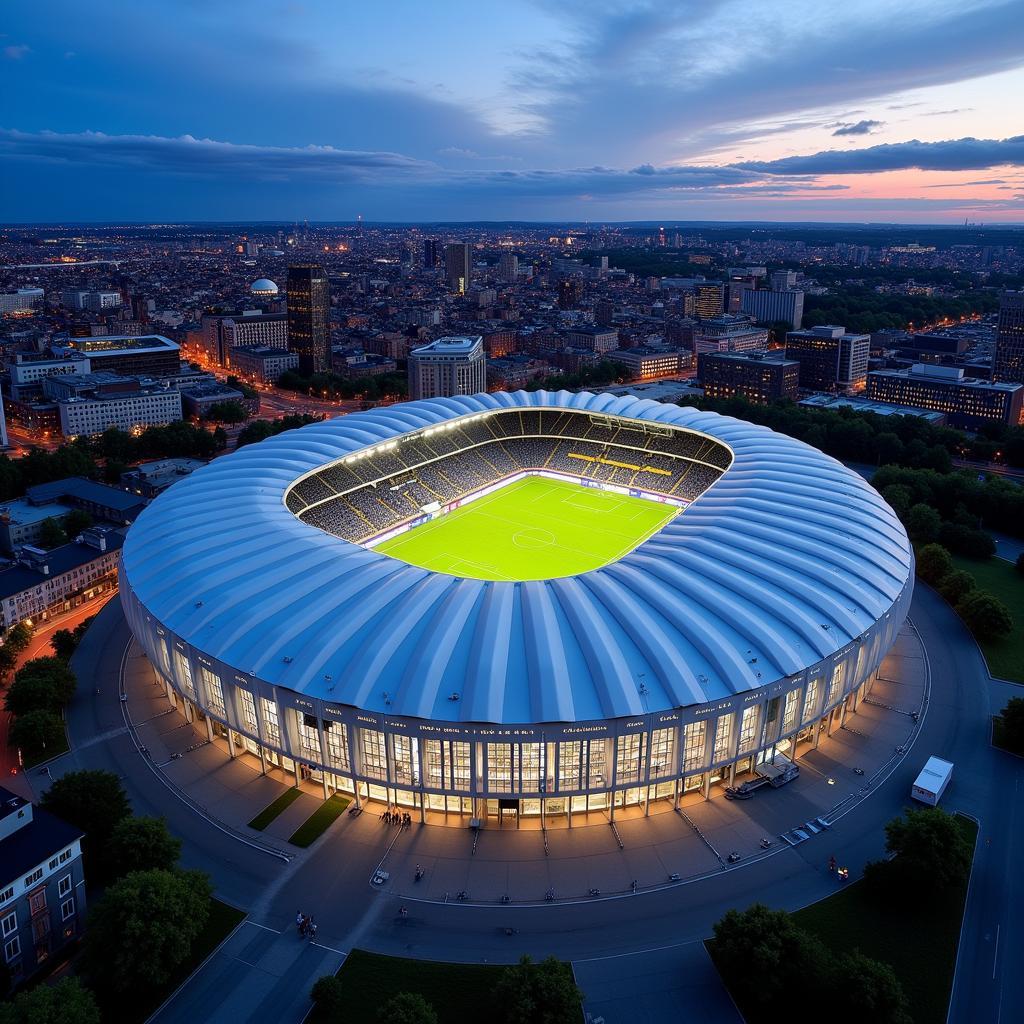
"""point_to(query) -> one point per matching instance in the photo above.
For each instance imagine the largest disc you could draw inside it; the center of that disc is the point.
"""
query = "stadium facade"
(751, 624)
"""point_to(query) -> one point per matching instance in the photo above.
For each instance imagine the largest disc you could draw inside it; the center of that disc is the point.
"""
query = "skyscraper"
(309, 317)
(829, 358)
(447, 367)
(709, 300)
(1009, 359)
(431, 252)
(457, 266)
(508, 268)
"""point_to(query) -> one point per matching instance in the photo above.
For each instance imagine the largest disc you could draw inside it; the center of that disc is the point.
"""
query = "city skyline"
(796, 112)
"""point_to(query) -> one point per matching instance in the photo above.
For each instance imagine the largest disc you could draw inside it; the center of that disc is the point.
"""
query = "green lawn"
(271, 811)
(319, 821)
(918, 941)
(458, 992)
(533, 529)
(1005, 657)
(54, 750)
(222, 920)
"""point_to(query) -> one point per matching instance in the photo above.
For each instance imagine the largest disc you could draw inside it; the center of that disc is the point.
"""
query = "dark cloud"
(858, 128)
(952, 155)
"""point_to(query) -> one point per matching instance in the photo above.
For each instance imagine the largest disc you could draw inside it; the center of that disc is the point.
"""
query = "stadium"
(519, 603)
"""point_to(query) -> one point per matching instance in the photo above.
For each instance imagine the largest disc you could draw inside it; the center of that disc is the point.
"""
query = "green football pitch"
(534, 529)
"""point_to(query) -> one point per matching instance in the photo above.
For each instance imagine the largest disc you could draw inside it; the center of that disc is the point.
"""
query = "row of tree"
(982, 612)
(334, 386)
(607, 371)
(765, 957)
(36, 698)
(259, 430)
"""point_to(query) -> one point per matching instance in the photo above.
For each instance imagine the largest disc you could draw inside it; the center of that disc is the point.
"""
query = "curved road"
(987, 784)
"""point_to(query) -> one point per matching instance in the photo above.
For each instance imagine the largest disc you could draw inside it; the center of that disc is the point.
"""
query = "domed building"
(264, 288)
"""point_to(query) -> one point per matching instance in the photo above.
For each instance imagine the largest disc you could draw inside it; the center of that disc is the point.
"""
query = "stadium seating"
(359, 499)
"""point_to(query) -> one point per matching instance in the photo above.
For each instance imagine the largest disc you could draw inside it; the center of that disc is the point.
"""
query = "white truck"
(932, 782)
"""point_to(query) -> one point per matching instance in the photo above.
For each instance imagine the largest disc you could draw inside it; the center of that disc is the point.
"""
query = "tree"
(1020, 563)
(407, 1008)
(923, 524)
(143, 928)
(38, 731)
(543, 993)
(63, 643)
(40, 683)
(93, 801)
(871, 992)
(900, 498)
(67, 1002)
(51, 533)
(18, 637)
(231, 411)
(329, 997)
(956, 584)
(933, 563)
(985, 615)
(1013, 724)
(76, 521)
(142, 844)
(930, 852)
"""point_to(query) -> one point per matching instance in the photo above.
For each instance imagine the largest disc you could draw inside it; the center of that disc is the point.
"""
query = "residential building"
(45, 583)
(1009, 356)
(21, 522)
(646, 362)
(597, 339)
(728, 334)
(759, 377)
(20, 301)
(458, 268)
(966, 402)
(146, 355)
(223, 333)
(125, 403)
(829, 358)
(263, 363)
(101, 501)
(309, 317)
(770, 306)
(149, 479)
(198, 399)
(42, 885)
(448, 366)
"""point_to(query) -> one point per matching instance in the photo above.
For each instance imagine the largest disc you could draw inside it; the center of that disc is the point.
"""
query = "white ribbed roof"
(786, 559)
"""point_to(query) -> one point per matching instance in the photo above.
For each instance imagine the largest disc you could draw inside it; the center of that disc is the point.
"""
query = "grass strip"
(320, 820)
(272, 810)
(1000, 578)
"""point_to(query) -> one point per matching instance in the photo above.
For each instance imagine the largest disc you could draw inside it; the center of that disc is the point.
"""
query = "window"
(337, 746)
(499, 768)
(459, 755)
(407, 768)
(34, 877)
(37, 902)
(531, 766)
(597, 763)
(835, 688)
(249, 720)
(629, 753)
(789, 712)
(12, 949)
(662, 747)
(570, 765)
(67, 909)
(723, 738)
(811, 700)
(185, 673)
(375, 760)
(9, 924)
(270, 722)
(748, 728)
(434, 761)
(694, 742)
(64, 886)
(309, 738)
(214, 692)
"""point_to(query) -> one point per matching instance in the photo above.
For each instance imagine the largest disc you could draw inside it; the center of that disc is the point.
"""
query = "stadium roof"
(788, 557)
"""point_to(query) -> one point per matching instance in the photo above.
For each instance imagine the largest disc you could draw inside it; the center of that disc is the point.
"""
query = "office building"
(759, 377)
(508, 268)
(771, 306)
(1009, 357)
(198, 399)
(708, 300)
(147, 355)
(829, 358)
(21, 301)
(596, 339)
(222, 334)
(42, 884)
(783, 280)
(966, 402)
(431, 253)
(447, 367)
(125, 403)
(309, 317)
(457, 267)
(263, 363)
(646, 362)
(728, 334)
(94, 301)
(29, 369)
(148, 479)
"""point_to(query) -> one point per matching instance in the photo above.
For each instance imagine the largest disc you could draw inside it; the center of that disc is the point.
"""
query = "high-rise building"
(309, 317)
(570, 291)
(1009, 358)
(457, 267)
(783, 280)
(765, 306)
(222, 333)
(829, 358)
(759, 377)
(728, 334)
(20, 301)
(709, 300)
(447, 367)
(431, 253)
(508, 268)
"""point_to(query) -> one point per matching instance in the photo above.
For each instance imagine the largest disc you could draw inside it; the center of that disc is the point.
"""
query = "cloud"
(952, 155)
(17, 51)
(858, 128)
(969, 184)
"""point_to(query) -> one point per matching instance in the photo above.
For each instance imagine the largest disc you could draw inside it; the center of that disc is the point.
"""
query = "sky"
(575, 110)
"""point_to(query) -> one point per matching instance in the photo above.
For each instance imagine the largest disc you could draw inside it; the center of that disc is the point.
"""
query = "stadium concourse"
(309, 600)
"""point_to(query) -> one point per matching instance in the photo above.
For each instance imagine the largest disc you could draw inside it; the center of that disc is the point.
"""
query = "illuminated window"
(597, 763)
(629, 752)
(499, 767)
(694, 742)
(811, 700)
(748, 728)
(250, 723)
(271, 726)
(375, 758)
(309, 737)
(214, 692)
(723, 738)
(835, 688)
(407, 767)
(184, 673)
(434, 763)
(337, 746)
(459, 756)
(570, 765)
(789, 713)
(531, 766)
(662, 753)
